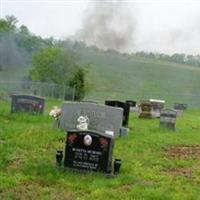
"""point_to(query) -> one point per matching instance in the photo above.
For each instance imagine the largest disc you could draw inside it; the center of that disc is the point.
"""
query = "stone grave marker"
(180, 107)
(157, 106)
(89, 150)
(122, 105)
(27, 103)
(146, 108)
(168, 119)
(101, 118)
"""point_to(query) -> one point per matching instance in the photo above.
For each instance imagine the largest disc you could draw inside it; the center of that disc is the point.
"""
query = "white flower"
(55, 112)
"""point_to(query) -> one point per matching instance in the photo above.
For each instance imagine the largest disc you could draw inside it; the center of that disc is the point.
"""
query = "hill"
(117, 76)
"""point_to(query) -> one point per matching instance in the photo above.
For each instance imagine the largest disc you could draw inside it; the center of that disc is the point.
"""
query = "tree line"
(181, 58)
(48, 59)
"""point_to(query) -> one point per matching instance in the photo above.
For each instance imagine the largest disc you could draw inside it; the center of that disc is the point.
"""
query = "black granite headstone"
(88, 150)
(131, 103)
(123, 105)
(27, 103)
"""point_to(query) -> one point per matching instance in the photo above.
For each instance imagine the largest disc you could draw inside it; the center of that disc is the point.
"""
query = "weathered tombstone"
(122, 105)
(180, 107)
(27, 103)
(146, 108)
(101, 117)
(168, 119)
(89, 150)
(157, 106)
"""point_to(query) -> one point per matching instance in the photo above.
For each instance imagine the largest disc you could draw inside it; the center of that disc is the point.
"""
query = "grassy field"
(157, 164)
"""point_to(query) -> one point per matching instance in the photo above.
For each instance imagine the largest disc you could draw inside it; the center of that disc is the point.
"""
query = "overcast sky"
(159, 26)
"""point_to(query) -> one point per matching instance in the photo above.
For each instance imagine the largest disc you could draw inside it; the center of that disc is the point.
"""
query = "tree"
(59, 66)
(8, 24)
(78, 83)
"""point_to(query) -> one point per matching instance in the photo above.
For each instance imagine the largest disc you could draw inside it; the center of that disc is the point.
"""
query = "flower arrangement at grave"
(56, 113)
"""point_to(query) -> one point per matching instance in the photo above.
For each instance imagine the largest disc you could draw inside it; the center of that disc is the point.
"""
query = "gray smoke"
(11, 55)
(108, 25)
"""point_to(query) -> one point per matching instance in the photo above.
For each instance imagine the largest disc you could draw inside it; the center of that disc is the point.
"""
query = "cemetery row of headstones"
(91, 128)
(155, 108)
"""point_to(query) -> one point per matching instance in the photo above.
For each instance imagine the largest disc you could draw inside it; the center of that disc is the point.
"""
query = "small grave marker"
(168, 119)
(157, 106)
(146, 108)
(180, 107)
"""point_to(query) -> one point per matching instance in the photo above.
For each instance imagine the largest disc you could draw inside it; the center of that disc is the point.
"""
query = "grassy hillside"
(116, 76)
(157, 164)
(132, 77)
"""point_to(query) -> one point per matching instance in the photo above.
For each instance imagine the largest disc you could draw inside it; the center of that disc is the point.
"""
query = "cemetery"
(99, 100)
(86, 153)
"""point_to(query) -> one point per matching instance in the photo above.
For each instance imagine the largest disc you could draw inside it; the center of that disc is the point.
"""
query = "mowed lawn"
(157, 164)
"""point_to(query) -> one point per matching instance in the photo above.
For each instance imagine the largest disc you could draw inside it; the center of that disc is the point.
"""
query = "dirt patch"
(186, 172)
(184, 151)
(126, 188)
(29, 190)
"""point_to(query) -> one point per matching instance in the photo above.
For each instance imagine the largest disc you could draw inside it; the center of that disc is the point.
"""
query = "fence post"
(64, 90)
(73, 92)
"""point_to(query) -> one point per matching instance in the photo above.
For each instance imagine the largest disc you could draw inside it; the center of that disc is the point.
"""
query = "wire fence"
(51, 90)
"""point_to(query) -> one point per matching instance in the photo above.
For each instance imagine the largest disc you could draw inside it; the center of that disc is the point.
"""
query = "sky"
(164, 26)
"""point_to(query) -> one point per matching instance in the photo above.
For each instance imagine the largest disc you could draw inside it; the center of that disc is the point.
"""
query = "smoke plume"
(11, 55)
(108, 25)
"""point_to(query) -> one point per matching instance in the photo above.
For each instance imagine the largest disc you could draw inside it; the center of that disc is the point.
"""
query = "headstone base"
(124, 131)
(169, 126)
(145, 115)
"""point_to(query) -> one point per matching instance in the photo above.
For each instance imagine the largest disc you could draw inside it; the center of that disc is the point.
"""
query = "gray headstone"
(180, 106)
(157, 106)
(102, 118)
(168, 118)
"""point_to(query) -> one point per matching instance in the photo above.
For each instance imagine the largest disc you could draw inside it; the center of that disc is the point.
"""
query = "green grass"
(28, 171)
